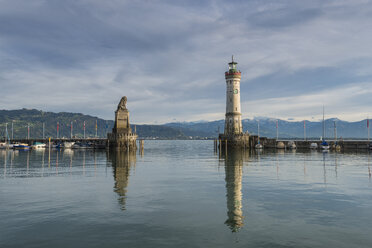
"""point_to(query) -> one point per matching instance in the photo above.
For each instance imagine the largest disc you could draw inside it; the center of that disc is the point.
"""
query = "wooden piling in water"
(226, 148)
(141, 144)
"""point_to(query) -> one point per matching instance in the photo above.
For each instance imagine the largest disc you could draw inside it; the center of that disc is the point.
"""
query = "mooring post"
(49, 156)
(219, 151)
(226, 148)
(141, 145)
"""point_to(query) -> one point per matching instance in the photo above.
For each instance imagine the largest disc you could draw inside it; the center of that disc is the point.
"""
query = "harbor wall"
(305, 144)
(269, 143)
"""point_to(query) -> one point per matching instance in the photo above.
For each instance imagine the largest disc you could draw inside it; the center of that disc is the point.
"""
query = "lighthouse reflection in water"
(123, 163)
(233, 177)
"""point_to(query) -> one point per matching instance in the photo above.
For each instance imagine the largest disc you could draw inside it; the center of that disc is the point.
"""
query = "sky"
(169, 57)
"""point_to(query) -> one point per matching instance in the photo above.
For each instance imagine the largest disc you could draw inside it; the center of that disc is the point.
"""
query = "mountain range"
(22, 118)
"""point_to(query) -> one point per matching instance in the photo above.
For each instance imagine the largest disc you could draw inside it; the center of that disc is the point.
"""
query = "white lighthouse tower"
(233, 116)
(233, 135)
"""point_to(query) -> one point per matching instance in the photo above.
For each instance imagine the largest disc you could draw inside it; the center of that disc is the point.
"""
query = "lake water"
(182, 194)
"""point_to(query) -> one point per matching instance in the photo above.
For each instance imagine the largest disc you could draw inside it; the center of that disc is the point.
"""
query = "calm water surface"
(182, 194)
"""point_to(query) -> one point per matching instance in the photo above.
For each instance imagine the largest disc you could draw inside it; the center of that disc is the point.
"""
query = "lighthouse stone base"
(235, 140)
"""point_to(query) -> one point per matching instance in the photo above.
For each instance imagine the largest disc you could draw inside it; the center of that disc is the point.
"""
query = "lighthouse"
(233, 116)
(233, 135)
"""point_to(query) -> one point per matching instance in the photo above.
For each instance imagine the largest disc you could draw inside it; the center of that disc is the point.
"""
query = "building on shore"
(122, 137)
(233, 135)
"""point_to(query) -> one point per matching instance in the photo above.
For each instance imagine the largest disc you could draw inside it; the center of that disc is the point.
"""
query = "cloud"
(310, 105)
(169, 57)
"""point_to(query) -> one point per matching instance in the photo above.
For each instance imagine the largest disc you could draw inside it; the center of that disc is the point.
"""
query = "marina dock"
(305, 144)
(268, 143)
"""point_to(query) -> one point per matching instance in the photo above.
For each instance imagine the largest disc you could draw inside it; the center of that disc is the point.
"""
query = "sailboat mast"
(368, 127)
(335, 130)
(323, 125)
(258, 131)
(43, 130)
(6, 132)
(277, 131)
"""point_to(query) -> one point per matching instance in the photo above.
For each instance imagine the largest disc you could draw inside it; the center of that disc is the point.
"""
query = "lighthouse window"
(236, 109)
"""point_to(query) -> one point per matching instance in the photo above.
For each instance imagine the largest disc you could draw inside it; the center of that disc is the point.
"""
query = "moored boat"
(258, 146)
(324, 145)
(77, 145)
(4, 145)
(38, 145)
(292, 145)
(82, 146)
(338, 148)
(57, 146)
(9, 146)
(314, 146)
(335, 147)
(21, 146)
(68, 144)
(280, 145)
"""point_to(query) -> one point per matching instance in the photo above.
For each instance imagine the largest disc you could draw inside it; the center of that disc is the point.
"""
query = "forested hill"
(35, 118)
(186, 130)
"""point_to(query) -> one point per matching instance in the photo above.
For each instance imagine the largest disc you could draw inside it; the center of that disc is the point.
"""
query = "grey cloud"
(66, 32)
(169, 57)
(283, 17)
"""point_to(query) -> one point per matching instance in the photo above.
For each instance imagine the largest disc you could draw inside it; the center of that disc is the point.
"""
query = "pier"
(97, 143)
(269, 143)
(305, 144)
